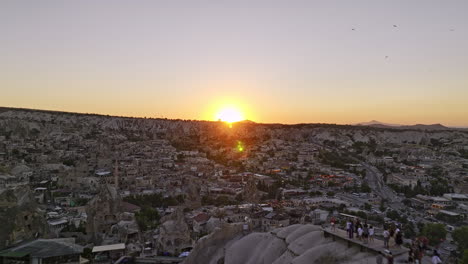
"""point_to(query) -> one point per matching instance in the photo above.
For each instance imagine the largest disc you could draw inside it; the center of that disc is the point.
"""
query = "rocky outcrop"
(251, 193)
(174, 233)
(192, 193)
(295, 244)
(210, 249)
(103, 211)
(20, 217)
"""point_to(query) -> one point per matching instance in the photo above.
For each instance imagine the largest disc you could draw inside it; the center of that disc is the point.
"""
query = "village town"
(104, 189)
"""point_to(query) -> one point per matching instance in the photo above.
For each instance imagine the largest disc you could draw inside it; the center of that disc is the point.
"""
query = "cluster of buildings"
(82, 171)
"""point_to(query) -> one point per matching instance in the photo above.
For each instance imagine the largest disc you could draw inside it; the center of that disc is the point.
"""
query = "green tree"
(434, 232)
(408, 230)
(69, 162)
(464, 259)
(147, 218)
(367, 207)
(365, 188)
(393, 215)
(382, 205)
(460, 235)
(87, 253)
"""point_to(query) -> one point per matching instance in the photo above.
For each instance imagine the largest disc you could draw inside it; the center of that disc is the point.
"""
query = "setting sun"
(229, 115)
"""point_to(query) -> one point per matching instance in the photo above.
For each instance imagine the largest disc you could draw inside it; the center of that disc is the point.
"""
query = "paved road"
(375, 180)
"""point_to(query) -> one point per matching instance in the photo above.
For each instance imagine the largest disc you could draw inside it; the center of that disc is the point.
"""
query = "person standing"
(365, 233)
(410, 255)
(351, 230)
(371, 234)
(398, 238)
(392, 234)
(348, 227)
(360, 233)
(386, 238)
(332, 223)
(418, 254)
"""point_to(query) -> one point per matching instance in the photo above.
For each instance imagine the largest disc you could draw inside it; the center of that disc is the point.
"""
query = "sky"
(276, 61)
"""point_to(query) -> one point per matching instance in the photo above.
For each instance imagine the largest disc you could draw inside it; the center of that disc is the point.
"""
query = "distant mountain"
(375, 123)
(246, 121)
(428, 127)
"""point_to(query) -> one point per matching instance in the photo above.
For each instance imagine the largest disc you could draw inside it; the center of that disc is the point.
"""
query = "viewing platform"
(152, 260)
(375, 246)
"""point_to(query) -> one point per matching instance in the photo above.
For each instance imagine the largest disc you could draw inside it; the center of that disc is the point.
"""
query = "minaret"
(116, 175)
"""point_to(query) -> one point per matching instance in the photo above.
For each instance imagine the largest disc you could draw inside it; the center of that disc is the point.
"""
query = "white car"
(184, 254)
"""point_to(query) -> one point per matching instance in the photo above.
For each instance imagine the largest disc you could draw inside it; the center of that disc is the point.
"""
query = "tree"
(408, 230)
(87, 253)
(393, 215)
(434, 232)
(407, 202)
(367, 207)
(147, 218)
(464, 259)
(382, 205)
(69, 162)
(460, 235)
(365, 188)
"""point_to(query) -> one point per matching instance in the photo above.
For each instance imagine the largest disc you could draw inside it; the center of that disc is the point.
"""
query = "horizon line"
(204, 120)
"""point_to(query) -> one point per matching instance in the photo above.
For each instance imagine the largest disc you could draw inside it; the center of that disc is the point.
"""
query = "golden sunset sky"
(275, 61)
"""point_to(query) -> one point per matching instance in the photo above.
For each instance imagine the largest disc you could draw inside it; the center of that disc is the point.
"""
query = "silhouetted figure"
(365, 233)
(332, 222)
(390, 258)
(411, 255)
(398, 239)
(351, 229)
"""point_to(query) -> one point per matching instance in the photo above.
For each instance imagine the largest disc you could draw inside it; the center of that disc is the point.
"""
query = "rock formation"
(103, 211)
(20, 217)
(295, 244)
(174, 233)
(192, 193)
(210, 249)
(251, 193)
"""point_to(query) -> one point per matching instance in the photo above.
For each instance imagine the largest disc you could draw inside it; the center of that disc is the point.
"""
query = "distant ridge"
(375, 123)
(372, 123)
(246, 121)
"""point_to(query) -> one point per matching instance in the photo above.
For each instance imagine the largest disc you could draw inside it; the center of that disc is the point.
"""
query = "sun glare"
(229, 115)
